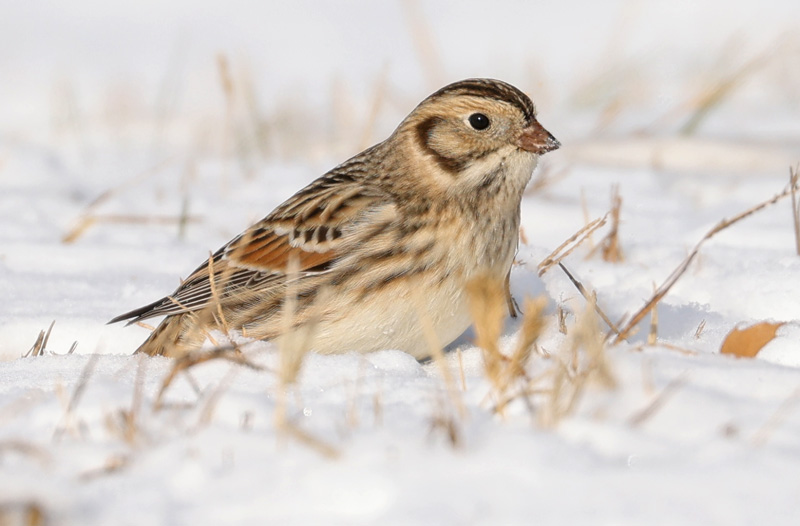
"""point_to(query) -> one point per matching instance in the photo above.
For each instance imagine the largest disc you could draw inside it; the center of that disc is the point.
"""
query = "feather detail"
(307, 230)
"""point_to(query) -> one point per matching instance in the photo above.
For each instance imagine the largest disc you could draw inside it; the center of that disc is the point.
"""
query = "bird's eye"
(479, 121)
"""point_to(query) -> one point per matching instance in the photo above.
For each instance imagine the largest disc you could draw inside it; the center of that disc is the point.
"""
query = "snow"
(116, 111)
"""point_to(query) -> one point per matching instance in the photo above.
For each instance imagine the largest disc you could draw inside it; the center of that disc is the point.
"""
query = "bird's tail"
(175, 336)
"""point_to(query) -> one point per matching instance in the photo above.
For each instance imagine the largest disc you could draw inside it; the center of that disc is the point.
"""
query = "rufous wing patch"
(274, 252)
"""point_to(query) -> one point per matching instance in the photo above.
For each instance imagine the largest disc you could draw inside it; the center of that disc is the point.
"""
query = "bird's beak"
(536, 139)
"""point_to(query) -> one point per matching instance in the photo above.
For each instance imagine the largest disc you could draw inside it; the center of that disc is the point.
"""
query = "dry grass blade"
(47, 337)
(113, 465)
(435, 347)
(590, 298)
(794, 174)
(609, 246)
(77, 393)
(590, 339)
(294, 344)
(230, 353)
(641, 416)
(21, 405)
(544, 178)
(238, 139)
(297, 336)
(486, 303)
(672, 347)
(700, 328)
(552, 411)
(723, 89)
(562, 319)
(445, 424)
(515, 369)
(86, 373)
(378, 100)
(532, 326)
(461, 374)
(226, 83)
(352, 413)
(486, 300)
(225, 78)
(676, 274)
(424, 43)
(87, 217)
(762, 435)
(291, 344)
(308, 440)
(30, 450)
(127, 219)
(570, 244)
(28, 513)
(40, 345)
(207, 412)
(133, 219)
(252, 109)
(37, 346)
(131, 417)
(652, 336)
(571, 379)
(511, 303)
(222, 322)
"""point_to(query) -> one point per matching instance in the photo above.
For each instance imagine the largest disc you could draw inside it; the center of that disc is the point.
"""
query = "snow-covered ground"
(136, 138)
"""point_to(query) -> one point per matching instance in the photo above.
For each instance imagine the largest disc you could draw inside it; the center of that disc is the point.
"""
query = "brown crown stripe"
(494, 89)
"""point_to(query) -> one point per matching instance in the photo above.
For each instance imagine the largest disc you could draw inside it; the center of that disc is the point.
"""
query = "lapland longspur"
(378, 251)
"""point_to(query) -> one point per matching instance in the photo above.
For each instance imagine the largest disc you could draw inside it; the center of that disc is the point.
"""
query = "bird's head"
(475, 124)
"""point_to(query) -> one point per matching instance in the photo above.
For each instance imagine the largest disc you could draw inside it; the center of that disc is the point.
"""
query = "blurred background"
(310, 78)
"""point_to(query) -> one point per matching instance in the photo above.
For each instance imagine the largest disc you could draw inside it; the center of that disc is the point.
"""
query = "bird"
(377, 253)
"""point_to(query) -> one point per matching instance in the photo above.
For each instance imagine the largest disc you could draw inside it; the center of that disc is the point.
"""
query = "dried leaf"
(748, 342)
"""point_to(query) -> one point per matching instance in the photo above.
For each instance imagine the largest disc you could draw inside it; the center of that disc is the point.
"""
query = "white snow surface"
(116, 111)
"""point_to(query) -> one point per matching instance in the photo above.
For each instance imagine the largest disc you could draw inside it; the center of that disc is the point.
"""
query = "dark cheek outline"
(423, 136)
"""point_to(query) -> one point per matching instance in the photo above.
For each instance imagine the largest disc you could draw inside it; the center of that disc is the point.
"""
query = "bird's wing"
(304, 235)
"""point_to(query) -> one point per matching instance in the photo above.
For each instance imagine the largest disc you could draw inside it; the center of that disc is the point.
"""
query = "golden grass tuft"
(610, 248)
(487, 302)
(507, 375)
(581, 363)
(26, 513)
